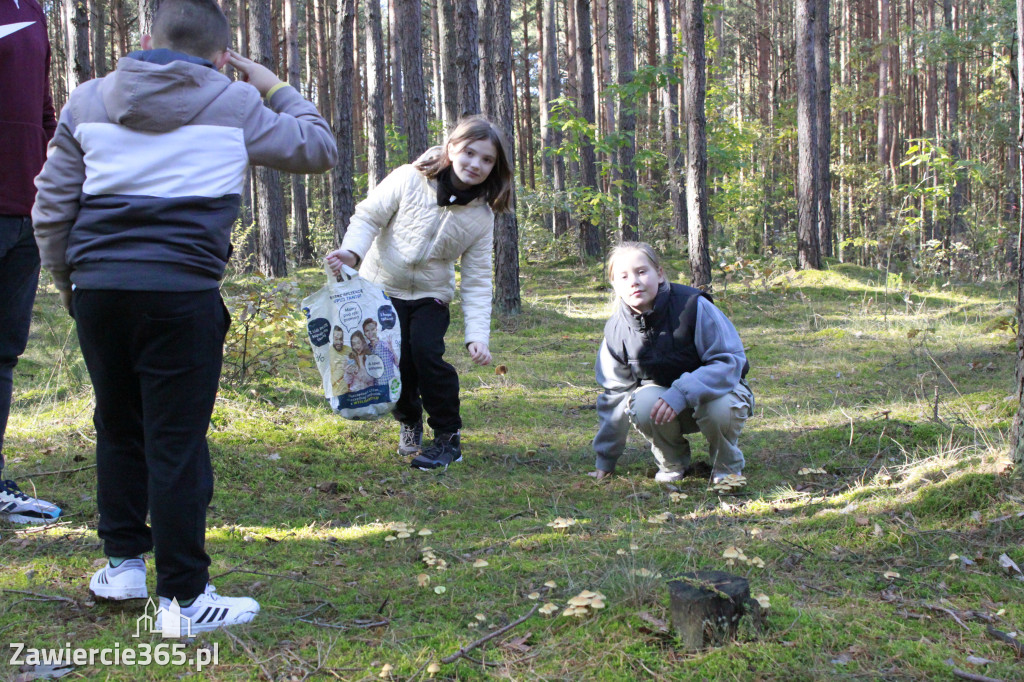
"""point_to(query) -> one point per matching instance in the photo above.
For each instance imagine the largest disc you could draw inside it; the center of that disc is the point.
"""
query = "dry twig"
(974, 678)
(43, 597)
(234, 638)
(948, 612)
(497, 633)
(1003, 637)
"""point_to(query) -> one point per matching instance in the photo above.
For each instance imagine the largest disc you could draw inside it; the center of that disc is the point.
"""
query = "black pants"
(155, 359)
(19, 274)
(428, 382)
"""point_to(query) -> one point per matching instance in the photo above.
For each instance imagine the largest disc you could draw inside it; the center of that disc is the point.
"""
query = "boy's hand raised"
(257, 75)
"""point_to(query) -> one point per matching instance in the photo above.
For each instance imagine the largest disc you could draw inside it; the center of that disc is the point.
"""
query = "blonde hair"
(642, 247)
(498, 185)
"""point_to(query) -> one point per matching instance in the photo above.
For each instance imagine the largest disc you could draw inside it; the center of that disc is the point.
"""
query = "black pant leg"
(176, 354)
(107, 324)
(408, 408)
(438, 380)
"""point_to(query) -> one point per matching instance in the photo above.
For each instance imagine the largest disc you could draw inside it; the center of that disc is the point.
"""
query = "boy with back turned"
(133, 219)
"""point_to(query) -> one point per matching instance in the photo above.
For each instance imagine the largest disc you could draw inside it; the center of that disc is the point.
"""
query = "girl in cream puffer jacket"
(406, 236)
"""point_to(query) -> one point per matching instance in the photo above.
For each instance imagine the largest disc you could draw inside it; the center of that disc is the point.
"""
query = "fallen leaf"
(658, 623)
(1008, 563)
(891, 575)
(44, 671)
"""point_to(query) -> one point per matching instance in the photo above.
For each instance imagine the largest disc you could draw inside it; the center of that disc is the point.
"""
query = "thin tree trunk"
(808, 250)
(823, 139)
(397, 63)
(414, 93)
(270, 252)
(527, 101)
(553, 164)
(467, 58)
(342, 182)
(98, 19)
(956, 199)
(629, 209)
(697, 152)
(1017, 437)
(376, 96)
(670, 121)
(449, 63)
(506, 230)
(588, 234)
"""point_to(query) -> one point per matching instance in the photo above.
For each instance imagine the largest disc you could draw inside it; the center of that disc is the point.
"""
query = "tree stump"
(707, 607)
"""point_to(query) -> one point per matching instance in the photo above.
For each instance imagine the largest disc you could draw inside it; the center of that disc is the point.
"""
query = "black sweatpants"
(155, 359)
(428, 382)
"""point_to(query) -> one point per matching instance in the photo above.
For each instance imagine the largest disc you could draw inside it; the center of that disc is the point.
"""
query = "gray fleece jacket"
(144, 175)
(722, 365)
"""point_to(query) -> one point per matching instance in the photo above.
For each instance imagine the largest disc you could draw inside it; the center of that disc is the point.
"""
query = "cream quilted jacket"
(408, 245)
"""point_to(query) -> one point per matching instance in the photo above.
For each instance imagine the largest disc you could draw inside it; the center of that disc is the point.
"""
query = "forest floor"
(898, 562)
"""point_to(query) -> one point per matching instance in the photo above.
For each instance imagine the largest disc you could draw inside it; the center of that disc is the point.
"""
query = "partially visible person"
(407, 235)
(136, 202)
(381, 348)
(670, 364)
(338, 355)
(27, 122)
(356, 376)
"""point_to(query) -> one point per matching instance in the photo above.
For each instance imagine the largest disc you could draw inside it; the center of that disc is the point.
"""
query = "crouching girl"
(671, 363)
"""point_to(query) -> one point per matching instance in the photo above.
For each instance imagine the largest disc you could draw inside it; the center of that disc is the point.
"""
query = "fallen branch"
(500, 631)
(336, 626)
(974, 678)
(43, 597)
(234, 638)
(1003, 637)
(61, 471)
(948, 612)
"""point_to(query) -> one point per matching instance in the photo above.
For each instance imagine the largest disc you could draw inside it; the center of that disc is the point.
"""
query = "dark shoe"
(410, 439)
(445, 450)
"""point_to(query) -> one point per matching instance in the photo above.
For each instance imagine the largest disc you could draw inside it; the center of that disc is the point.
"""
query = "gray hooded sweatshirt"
(144, 175)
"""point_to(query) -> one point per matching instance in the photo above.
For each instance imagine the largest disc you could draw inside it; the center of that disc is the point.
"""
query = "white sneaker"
(127, 581)
(17, 507)
(209, 611)
(669, 476)
(720, 476)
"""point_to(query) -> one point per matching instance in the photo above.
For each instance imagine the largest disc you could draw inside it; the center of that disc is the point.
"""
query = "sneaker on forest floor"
(127, 581)
(445, 450)
(410, 439)
(719, 476)
(669, 476)
(209, 611)
(17, 507)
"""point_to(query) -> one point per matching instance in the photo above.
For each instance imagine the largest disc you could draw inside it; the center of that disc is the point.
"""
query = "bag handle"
(347, 273)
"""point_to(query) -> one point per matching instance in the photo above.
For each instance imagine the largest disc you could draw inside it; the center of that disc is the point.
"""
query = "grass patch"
(902, 396)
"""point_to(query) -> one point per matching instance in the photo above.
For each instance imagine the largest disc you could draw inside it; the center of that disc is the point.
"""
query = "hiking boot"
(17, 507)
(445, 450)
(127, 581)
(209, 611)
(410, 439)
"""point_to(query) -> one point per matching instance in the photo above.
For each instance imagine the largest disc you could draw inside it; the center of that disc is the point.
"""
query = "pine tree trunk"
(506, 230)
(467, 66)
(270, 251)
(147, 8)
(1017, 437)
(956, 199)
(588, 233)
(553, 164)
(414, 93)
(397, 86)
(342, 183)
(822, 70)
(808, 250)
(300, 216)
(376, 96)
(670, 121)
(625, 55)
(449, 69)
(527, 158)
(98, 20)
(697, 151)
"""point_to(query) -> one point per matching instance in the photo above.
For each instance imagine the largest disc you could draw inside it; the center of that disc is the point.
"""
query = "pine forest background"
(878, 132)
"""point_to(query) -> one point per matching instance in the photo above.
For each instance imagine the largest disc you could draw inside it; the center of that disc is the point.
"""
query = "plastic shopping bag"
(356, 340)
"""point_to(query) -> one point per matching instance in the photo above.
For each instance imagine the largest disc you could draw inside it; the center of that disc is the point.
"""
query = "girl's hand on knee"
(479, 353)
(661, 413)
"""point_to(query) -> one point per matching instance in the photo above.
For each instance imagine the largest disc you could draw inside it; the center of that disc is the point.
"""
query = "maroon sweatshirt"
(27, 119)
